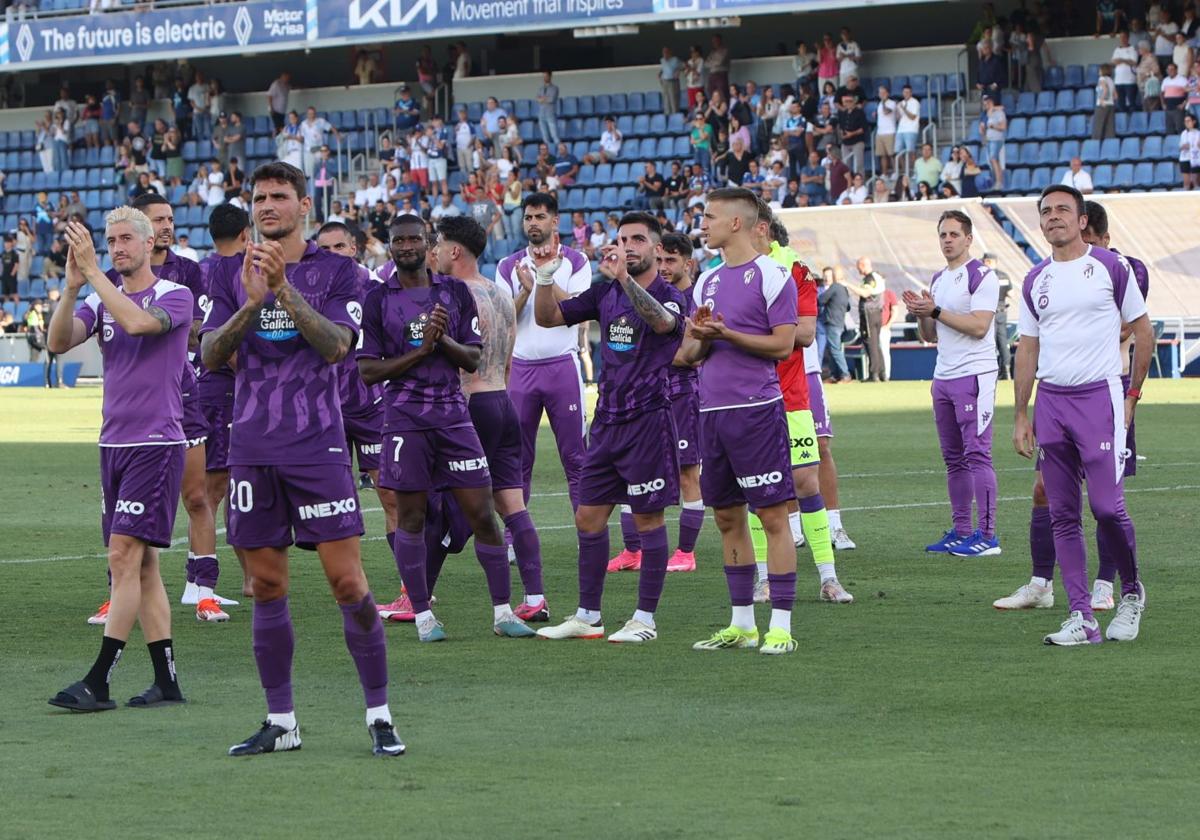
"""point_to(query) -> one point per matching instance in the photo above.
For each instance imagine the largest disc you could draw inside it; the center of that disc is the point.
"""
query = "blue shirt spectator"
(406, 111)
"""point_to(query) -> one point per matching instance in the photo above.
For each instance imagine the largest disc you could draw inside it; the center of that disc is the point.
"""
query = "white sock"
(1104, 586)
(203, 592)
(762, 570)
(424, 615)
(287, 720)
(534, 600)
(500, 610)
(835, 519)
(797, 528)
(743, 617)
(826, 571)
(1039, 581)
(646, 618)
(588, 616)
(696, 505)
(382, 713)
(781, 620)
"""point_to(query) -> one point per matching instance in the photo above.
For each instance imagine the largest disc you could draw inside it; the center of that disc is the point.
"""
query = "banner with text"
(180, 31)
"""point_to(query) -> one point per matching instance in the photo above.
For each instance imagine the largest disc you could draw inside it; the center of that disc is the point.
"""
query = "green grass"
(917, 712)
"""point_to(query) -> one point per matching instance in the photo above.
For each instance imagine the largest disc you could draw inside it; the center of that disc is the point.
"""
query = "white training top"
(1075, 310)
(534, 342)
(972, 287)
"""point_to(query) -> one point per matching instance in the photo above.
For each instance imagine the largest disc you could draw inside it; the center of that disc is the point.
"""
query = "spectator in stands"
(277, 99)
(67, 104)
(720, 157)
(547, 99)
(849, 56)
(838, 174)
(172, 153)
(184, 249)
(464, 139)
(216, 184)
(1189, 26)
(790, 196)
(9, 261)
(697, 186)
(489, 122)
(142, 186)
(804, 66)
(793, 131)
(670, 68)
(651, 189)
(739, 132)
(325, 182)
(951, 171)
(903, 191)
(216, 101)
(1149, 78)
(44, 141)
(995, 123)
(1182, 56)
(365, 67)
(1189, 152)
(43, 223)
(219, 133)
(405, 112)
(829, 97)
(992, 72)
(927, 167)
(852, 88)
(234, 179)
(1104, 121)
(198, 98)
(924, 192)
(197, 191)
(25, 245)
(90, 120)
(737, 163)
(8, 326)
(462, 61)
(812, 181)
(60, 132)
(856, 193)
(1174, 98)
(139, 101)
(427, 75)
(908, 128)
(445, 207)
(821, 131)
(1110, 17)
(54, 265)
(767, 113)
(566, 166)
(693, 75)
(1078, 177)
(181, 108)
(1164, 39)
(313, 131)
(701, 141)
(717, 66)
(235, 137)
(886, 116)
(1124, 62)
(289, 145)
(717, 112)
(852, 132)
(834, 306)
(675, 197)
(827, 62)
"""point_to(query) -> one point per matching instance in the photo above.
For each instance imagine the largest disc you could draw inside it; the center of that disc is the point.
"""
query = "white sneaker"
(1075, 631)
(573, 628)
(1124, 627)
(634, 633)
(799, 540)
(191, 595)
(762, 591)
(833, 592)
(841, 540)
(1102, 596)
(1030, 596)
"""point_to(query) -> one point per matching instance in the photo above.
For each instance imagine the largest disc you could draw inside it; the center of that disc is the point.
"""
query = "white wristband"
(543, 279)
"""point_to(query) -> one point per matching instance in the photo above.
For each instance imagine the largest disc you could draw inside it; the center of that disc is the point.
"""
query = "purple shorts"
(364, 435)
(195, 427)
(1130, 441)
(685, 411)
(433, 459)
(218, 417)
(635, 463)
(140, 491)
(822, 419)
(747, 459)
(495, 421)
(318, 502)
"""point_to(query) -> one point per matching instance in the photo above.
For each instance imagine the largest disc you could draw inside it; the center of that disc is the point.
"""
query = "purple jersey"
(753, 298)
(634, 358)
(358, 398)
(214, 386)
(286, 408)
(683, 380)
(143, 375)
(428, 395)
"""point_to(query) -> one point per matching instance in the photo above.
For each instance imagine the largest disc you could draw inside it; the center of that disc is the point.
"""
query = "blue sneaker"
(948, 541)
(977, 545)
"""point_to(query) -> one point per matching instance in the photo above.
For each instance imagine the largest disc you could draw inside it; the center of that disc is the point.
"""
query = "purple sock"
(783, 590)
(811, 504)
(654, 568)
(629, 532)
(690, 523)
(741, 585)
(1041, 543)
(593, 562)
(528, 547)
(271, 629)
(494, 559)
(366, 643)
(205, 571)
(189, 570)
(410, 562)
(391, 539)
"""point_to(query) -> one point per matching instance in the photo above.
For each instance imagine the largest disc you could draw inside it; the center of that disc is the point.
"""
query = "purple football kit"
(743, 428)
(289, 468)
(964, 395)
(683, 385)
(142, 440)
(822, 419)
(545, 373)
(214, 386)
(362, 404)
(1075, 309)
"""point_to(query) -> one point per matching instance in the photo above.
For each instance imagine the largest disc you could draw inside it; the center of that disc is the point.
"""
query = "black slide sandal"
(153, 696)
(79, 697)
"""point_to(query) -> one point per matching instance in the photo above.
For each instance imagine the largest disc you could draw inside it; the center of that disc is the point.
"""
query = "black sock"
(162, 656)
(98, 678)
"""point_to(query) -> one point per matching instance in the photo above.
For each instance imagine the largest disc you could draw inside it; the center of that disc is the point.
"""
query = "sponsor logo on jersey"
(760, 480)
(623, 334)
(354, 310)
(803, 443)
(469, 465)
(371, 448)
(416, 329)
(322, 510)
(646, 487)
(131, 507)
(275, 324)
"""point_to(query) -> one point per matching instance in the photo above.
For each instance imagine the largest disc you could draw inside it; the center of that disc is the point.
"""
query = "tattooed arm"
(660, 319)
(330, 340)
(217, 348)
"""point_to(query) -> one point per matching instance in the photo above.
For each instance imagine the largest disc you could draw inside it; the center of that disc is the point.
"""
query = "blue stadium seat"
(1064, 102)
(53, 179)
(1123, 176)
(637, 103)
(1122, 122)
(571, 199)
(1058, 175)
(1057, 126)
(1158, 122)
(508, 106)
(23, 288)
(1091, 75)
(1017, 128)
(1085, 100)
(38, 182)
(620, 103)
(603, 105)
(592, 198)
(608, 199)
(920, 86)
(1026, 104)
(620, 173)
(641, 125)
(529, 154)
(1037, 127)
(1045, 103)
(580, 148)
(1166, 174)
(1052, 77)
(1143, 175)
(625, 125)
(1073, 78)
(524, 109)
(1067, 150)
(1012, 154)
(25, 203)
(1077, 127)
(1028, 154)
(1090, 151)
(1131, 149)
(1018, 181)
(1102, 176)
(1039, 179)
(626, 196)
(1139, 123)
(683, 148)
(572, 129)
(592, 128)
(587, 106)
(665, 148)
(586, 176)
(1047, 153)
(568, 106)
(28, 164)
(658, 124)
(1152, 148)
(1110, 151)
(37, 288)
(654, 103)
(528, 131)
(1170, 148)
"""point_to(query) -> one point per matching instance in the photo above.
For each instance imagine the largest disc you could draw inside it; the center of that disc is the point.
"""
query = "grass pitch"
(919, 711)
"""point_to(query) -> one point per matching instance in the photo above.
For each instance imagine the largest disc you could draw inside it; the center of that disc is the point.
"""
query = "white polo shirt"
(534, 342)
(972, 287)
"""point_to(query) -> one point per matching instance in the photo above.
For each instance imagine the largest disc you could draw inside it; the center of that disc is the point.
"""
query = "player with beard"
(291, 313)
(545, 367)
(142, 327)
(229, 227)
(632, 456)
(419, 329)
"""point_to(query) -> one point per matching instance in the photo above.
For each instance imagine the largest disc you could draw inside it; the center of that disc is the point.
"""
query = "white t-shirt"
(854, 195)
(1189, 146)
(534, 342)
(503, 167)
(464, 136)
(1164, 41)
(885, 122)
(972, 287)
(1075, 310)
(848, 55)
(314, 133)
(610, 142)
(1080, 180)
(1123, 73)
(418, 154)
(909, 112)
(216, 189)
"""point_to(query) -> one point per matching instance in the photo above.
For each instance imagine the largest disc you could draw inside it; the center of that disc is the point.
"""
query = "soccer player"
(142, 328)
(1072, 308)
(291, 313)
(823, 421)
(632, 453)
(745, 322)
(461, 240)
(956, 314)
(229, 227)
(545, 367)
(419, 329)
(1039, 592)
(675, 265)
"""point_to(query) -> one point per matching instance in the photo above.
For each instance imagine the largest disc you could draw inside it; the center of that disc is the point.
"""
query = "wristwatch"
(1136, 393)
(937, 310)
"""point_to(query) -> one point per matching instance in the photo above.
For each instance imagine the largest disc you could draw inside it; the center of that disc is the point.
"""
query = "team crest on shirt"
(275, 324)
(710, 288)
(1088, 270)
(747, 276)
(623, 334)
